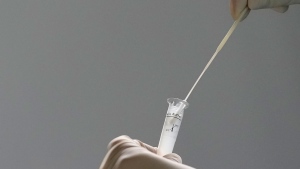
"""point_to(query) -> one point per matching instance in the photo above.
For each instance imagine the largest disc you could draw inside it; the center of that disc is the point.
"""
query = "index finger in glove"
(118, 140)
(146, 146)
(173, 157)
(236, 8)
(128, 140)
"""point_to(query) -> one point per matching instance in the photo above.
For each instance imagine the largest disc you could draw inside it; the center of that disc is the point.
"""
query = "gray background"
(74, 74)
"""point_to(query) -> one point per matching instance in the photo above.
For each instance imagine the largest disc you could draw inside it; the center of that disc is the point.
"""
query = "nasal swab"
(245, 11)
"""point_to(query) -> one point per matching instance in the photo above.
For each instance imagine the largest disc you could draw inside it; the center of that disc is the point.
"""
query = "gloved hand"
(126, 153)
(237, 6)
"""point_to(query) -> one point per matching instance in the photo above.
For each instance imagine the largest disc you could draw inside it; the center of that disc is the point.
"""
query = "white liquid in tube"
(171, 125)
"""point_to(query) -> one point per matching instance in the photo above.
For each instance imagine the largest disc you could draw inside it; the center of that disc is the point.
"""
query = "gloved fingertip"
(117, 140)
(173, 157)
(146, 146)
(236, 8)
(281, 9)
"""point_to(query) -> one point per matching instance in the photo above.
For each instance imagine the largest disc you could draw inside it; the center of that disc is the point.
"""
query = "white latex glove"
(126, 153)
(237, 6)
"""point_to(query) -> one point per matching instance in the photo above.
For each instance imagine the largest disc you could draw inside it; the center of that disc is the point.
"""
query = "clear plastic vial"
(171, 125)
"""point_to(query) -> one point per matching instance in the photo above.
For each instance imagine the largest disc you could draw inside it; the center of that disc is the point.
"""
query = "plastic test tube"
(171, 125)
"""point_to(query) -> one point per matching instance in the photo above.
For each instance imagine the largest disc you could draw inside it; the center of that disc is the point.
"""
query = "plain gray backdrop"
(75, 74)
